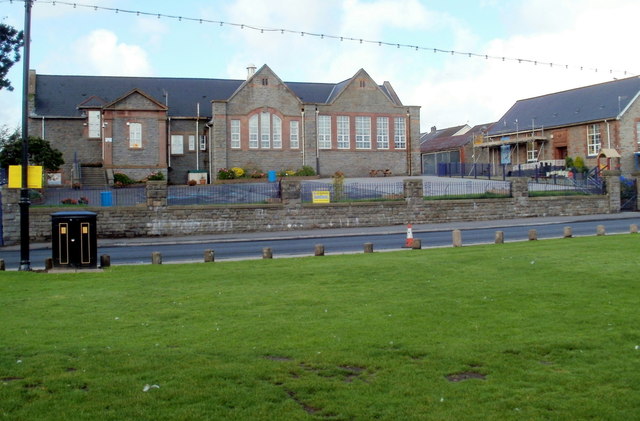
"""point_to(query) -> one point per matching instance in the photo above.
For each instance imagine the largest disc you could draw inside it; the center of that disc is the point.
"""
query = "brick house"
(596, 123)
(453, 145)
(178, 126)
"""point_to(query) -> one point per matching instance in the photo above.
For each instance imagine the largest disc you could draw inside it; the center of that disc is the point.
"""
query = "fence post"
(568, 232)
(416, 244)
(633, 228)
(319, 250)
(209, 256)
(499, 237)
(457, 238)
(156, 258)
(267, 253)
(600, 231)
(368, 247)
(533, 235)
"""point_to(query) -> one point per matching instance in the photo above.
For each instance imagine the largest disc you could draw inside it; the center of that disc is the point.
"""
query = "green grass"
(551, 325)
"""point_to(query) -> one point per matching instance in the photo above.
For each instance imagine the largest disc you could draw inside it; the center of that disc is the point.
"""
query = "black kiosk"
(74, 239)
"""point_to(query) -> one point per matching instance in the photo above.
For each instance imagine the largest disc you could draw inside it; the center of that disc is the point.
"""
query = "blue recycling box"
(106, 198)
(271, 176)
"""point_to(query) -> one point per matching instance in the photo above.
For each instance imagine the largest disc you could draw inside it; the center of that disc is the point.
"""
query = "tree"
(40, 151)
(11, 41)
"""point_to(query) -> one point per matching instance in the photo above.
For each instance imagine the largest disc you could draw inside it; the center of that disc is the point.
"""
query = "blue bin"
(271, 176)
(106, 198)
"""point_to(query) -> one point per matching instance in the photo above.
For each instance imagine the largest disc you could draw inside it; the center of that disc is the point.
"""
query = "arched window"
(253, 131)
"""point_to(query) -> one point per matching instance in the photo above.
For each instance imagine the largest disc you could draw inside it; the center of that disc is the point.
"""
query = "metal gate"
(629, 194)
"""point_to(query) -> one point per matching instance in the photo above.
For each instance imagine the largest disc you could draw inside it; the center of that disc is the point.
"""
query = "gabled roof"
(604, 101)
(62, 96)
(438, 133)
(136, 91)
(446, 143)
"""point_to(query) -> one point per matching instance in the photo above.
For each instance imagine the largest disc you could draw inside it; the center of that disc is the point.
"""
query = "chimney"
(433, 129)
(251, 70)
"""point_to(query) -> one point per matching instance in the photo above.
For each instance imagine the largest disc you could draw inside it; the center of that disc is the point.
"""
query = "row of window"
(265, 132)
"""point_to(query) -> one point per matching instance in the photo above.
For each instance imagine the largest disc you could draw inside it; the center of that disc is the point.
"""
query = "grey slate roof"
(435, 134)
(447, 143)
(577, 106)
(61, 96)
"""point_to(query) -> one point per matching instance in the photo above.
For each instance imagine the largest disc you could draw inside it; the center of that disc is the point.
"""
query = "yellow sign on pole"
(34, 177)
(321, 196)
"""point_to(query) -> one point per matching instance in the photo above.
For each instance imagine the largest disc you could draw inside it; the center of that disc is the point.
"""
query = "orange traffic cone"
(409, 241)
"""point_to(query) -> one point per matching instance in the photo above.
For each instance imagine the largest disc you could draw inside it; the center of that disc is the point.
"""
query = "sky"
(577, 36)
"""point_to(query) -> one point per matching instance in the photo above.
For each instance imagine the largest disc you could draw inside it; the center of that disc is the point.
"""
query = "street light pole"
(25, 263)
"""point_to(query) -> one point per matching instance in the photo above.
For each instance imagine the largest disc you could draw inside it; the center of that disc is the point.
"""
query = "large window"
(253, 131)
(324, 132)
(294, 134)
(593, 139)
(135, 135)
(192, 143)
(94, 124)
(400, 133)
(177, 144)
(277, 132)
(344, 140)
(383, 132)
(235, 134)
(265, 130)
(363, 132)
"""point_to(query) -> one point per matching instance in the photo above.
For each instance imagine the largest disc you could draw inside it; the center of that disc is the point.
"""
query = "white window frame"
(235, 134)
(277, 131)
(594, 140)
(638, 132)
(343, 132)
(254, 130)
(382, 129)
(400, 133)
(363, 132)
(93, 124)
(324, 132)
(265, 130)
(135, 135)
(532, 152)
(203, 142)
(192, 142)
(294, 134)
(177, 144)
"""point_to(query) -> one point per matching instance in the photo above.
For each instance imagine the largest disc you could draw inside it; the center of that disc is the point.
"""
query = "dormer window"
(93, 124)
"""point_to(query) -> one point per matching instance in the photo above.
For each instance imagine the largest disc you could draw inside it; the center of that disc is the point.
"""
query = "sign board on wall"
(321, 196)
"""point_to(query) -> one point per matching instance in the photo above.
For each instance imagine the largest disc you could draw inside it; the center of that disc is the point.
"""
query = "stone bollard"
(533, 235)
(209, 256)
(2, 266)
(633, 229)
(600, 231)
(105, 260)
(499, 237)
(318, 250)
(156, 258)
(48, 263)
(457, 238)
(368, 247)
(416, 244)
(567, 233)
(267, 253)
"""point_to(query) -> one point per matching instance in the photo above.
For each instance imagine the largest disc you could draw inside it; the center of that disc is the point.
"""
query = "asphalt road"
(349, 240)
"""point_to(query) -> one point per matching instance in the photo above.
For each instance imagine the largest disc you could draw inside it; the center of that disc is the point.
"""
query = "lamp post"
(25, 264)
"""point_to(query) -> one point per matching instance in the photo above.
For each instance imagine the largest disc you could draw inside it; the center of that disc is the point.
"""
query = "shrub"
(578, 163)
(238, 172)
(306, 171)
(225, 174)
(158, 176)
(122, 180)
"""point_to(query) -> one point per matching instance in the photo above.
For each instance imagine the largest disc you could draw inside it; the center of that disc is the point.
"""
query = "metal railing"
(470, 189)
(129, 196)
(220, 194)
(350, 192)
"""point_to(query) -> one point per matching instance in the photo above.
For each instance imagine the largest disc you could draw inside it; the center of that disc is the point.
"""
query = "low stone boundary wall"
(158, 219)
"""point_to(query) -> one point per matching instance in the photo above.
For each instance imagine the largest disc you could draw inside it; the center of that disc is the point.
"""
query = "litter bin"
(74, 241)
(106, 198)
(271, 176)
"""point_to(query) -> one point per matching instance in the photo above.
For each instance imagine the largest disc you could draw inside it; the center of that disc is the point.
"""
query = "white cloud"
(101, 53)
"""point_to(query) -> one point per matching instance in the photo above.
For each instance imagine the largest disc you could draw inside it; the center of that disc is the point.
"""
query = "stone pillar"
(291, 191)
(219, 137)
(520, 189)
(157, 194)
(10, 216)
(612, 184)
(413, 188)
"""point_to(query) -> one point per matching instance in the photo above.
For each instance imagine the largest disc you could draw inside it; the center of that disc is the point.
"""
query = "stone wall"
(158, 219)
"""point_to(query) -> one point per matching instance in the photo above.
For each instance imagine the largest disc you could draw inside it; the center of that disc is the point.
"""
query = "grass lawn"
(519, 331)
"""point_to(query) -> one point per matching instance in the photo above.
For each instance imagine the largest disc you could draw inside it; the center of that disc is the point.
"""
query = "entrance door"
(560, 152)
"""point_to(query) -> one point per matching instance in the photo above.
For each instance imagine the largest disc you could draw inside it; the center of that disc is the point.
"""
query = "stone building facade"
(140, 126)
